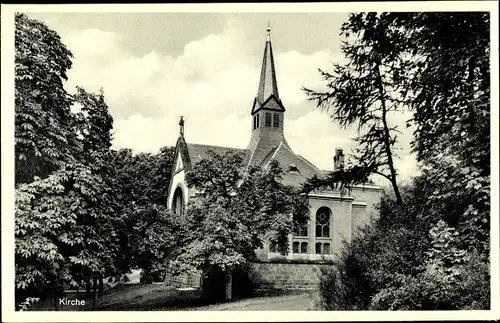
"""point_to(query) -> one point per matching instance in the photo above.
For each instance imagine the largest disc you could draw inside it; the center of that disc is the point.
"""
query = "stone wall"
(285, 276)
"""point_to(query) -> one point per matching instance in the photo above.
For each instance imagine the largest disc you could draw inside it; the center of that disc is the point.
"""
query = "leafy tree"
(93, 125)
(364, 92)
(451, 107)
(57, 227)
(43, 137)
(432, 251)
(147, 231)
(236, 212)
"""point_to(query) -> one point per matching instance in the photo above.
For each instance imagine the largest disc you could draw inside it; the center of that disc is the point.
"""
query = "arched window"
(323, 222)
(178, 203)
(295, 248)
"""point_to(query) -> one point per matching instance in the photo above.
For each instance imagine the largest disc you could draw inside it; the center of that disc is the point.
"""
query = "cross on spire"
(181, 125)
(268, 30)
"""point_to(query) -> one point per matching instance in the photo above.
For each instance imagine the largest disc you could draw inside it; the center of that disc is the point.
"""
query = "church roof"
(296, 168)
(198, 152)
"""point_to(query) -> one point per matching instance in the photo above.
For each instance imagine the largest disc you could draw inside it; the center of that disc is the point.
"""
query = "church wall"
(364, 205)
(178, 180)
(340, 227)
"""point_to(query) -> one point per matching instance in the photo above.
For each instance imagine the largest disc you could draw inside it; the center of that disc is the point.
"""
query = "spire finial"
(268, 30)
(181, 124)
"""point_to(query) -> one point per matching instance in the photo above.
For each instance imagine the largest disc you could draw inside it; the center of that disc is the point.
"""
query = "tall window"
(268, 119)
(178, 204)
(323, 222)
(276, 120)
(257, 119)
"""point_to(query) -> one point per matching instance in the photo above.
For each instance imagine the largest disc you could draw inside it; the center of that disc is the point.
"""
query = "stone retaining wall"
(285, 276)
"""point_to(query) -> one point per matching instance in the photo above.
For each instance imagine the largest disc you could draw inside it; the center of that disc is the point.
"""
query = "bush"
(345, 285)
(407, 260)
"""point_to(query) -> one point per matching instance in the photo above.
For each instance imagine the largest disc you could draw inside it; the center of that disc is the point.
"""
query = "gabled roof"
(198, 152)
(297, 169)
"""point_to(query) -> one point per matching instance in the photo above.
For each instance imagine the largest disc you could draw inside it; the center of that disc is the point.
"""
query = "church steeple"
(267, 85)
(267, 111)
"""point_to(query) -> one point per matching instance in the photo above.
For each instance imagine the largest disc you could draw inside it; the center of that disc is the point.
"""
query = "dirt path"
(303, 302)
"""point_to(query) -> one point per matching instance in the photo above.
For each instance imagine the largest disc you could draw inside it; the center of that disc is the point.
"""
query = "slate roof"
(281, 153)
(198, 152)
(290, 161)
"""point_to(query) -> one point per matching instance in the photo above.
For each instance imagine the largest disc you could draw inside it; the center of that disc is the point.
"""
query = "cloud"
(212, 84)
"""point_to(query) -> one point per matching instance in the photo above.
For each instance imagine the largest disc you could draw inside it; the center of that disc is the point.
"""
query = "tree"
(43, 137)
(148, 230)
(364, 92)
(58, 227)
(93, 125)
(432, 251)
(236, 212)
(451, 105)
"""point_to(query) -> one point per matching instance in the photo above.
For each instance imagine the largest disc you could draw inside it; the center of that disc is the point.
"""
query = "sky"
(156, 67)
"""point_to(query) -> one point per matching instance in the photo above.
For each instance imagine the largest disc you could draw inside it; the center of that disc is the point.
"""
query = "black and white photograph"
(249, 158)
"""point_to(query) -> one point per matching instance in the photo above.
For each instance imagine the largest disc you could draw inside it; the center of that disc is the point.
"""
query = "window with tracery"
(323, 217)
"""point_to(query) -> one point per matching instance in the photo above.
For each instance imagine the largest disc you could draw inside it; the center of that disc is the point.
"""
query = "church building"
(334, 218)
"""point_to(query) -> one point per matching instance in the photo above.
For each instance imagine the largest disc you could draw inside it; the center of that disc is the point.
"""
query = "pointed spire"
(267, 85)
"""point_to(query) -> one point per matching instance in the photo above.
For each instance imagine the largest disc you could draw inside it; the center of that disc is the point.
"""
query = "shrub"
(345, 285)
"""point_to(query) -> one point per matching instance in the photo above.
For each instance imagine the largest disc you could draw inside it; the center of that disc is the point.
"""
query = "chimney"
(338, 159)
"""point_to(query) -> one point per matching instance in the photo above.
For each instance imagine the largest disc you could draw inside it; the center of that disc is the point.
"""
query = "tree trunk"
(101, 286)
(229, 285)
(88, 290)
(94, 291)
(387, 138)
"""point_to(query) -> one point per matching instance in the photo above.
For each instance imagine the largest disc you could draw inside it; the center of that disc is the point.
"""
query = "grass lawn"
(159, 297)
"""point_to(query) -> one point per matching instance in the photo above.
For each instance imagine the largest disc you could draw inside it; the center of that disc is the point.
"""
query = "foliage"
(43, 137)
(147, 231)
(432, 251)
(65, 219)
(23, 306)
(366, 91)
(59, 225)
(236, 212)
